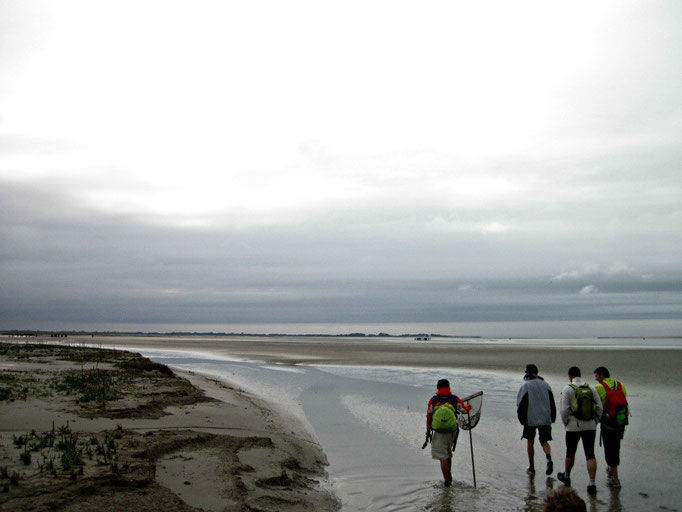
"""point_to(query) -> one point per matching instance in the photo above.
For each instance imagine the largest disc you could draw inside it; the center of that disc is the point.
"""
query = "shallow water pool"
(371, 421)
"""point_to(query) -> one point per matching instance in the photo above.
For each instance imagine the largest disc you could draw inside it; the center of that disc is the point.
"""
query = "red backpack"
(615, 406)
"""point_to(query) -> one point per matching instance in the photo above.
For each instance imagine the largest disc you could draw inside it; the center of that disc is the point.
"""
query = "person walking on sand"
(536, 411)
(614, 418)
(580, 407)
(442, 427)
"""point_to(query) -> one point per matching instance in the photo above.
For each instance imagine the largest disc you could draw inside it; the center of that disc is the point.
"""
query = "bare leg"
(446, 469)
(548, 452)
(592, 468)
(531, 452)
(569, 465)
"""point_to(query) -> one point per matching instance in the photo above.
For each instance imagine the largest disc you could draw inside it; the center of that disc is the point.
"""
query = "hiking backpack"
(615, 406)
(583, 405)
(444, 418)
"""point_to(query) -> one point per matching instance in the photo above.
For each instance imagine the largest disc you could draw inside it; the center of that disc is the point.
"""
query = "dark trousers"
(611, 439)
(572, 439)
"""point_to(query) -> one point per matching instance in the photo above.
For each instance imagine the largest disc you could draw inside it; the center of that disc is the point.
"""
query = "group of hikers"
(582, 407)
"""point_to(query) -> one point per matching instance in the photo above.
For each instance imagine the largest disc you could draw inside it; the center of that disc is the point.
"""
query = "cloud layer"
(224, 164)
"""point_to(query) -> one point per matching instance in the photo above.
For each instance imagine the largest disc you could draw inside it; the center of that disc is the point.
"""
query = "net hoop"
(470, 420)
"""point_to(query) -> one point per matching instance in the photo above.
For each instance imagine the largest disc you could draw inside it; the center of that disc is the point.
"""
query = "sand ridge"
(153, 440)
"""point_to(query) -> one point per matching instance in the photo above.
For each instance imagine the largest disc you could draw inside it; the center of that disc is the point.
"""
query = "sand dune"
(160, 441)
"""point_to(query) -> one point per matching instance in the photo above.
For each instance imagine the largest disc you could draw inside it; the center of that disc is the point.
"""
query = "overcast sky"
(229, 163)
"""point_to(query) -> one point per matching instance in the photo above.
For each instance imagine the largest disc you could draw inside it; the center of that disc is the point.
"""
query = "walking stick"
(476, 404)
(471, 444)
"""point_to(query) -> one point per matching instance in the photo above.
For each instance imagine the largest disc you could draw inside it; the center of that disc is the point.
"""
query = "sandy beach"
(633, 362)
(320, 401)
(157, 440)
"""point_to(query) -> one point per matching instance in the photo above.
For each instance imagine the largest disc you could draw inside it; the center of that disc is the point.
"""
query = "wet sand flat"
(340, 383)
(335, 387)
(635, 360)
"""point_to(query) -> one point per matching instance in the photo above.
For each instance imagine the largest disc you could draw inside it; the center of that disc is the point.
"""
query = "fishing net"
(470, 420)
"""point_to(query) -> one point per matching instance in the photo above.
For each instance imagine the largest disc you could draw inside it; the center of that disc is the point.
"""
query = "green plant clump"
(72, 455)
(25, 457)
(143, 364)
(94, 385)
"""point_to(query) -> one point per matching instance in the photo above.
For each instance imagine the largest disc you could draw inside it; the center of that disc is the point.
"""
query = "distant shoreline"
(29, 332)
(636, 360)
(152, 334)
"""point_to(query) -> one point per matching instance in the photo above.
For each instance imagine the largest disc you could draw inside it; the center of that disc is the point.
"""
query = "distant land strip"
(35, 333)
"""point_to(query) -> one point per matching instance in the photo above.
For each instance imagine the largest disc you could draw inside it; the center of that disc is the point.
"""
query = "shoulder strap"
(443, 399)
(576, 388)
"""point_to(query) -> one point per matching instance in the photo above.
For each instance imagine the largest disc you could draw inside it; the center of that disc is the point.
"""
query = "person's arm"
(522, 409)
(552, 405)
(626, 395)
(565, 407)
(598, 406)
(465, 407)
(429, 414)
(601, 392)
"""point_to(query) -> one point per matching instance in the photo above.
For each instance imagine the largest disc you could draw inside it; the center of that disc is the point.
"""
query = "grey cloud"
(593, 203)
(64, 263)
